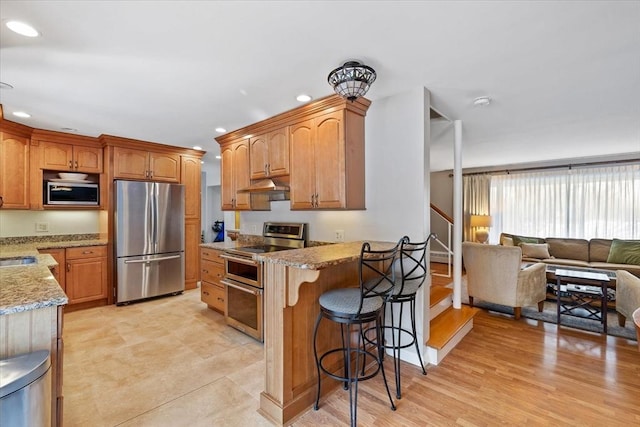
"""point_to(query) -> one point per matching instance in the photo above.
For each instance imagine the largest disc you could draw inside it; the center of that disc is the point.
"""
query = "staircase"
(447, 325)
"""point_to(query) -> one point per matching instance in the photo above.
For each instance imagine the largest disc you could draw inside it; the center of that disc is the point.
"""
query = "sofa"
(568, 252)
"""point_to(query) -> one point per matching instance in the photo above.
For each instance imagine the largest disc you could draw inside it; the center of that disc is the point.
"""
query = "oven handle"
(254, 291)
(247, 261)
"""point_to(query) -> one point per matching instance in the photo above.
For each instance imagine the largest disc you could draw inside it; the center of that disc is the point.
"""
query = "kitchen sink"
(18, 261)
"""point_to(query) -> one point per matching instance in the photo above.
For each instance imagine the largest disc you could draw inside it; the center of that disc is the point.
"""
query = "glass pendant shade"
(352, 80)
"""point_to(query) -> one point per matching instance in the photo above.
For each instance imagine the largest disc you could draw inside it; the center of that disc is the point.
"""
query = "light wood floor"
(172, 362)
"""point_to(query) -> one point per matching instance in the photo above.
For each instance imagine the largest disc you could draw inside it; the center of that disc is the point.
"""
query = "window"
(602, 202)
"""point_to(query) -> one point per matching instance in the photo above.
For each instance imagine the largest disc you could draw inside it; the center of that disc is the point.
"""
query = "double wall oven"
(243, 275)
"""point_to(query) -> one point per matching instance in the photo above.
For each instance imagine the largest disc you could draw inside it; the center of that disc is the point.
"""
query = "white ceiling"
(564, 76)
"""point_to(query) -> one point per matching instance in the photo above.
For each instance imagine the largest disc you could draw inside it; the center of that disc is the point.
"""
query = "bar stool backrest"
(377, 270)
(412, 265)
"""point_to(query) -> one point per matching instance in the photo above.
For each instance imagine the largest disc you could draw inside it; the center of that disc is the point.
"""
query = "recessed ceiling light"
(303, 97)
(482, 101)
(218, 157)
(221, 130)
(202, 162)
(22, 29)
(197, 147)
(21, 114)
(4, 85)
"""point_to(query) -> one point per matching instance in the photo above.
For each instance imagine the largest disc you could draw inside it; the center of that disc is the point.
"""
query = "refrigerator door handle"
(144, 261)
(154, 216)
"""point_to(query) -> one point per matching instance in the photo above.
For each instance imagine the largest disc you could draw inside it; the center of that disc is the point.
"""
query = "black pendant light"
(352, 80)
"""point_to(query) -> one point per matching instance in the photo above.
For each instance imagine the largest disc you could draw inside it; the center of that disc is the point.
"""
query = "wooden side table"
(636, 320)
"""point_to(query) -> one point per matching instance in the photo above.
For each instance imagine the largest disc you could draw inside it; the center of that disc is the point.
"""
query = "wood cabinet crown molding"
(39, 135)
(321, 106)
(15, 128)
(118, 141)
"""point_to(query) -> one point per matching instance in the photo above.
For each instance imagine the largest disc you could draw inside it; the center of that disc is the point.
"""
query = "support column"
(457, 215)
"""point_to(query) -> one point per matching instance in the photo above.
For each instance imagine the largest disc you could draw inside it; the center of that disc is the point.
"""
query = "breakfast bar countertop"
(320, 257)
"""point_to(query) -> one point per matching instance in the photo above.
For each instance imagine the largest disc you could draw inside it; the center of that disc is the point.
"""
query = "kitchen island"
(31, 307)
(293, 282)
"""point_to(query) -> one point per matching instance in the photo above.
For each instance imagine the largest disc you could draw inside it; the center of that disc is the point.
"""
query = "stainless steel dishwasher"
(25, 390)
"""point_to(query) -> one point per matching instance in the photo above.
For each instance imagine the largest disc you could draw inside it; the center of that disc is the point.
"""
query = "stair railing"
(446, 248)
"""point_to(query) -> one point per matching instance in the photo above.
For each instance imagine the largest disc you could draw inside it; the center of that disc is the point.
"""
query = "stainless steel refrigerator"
(149, 239)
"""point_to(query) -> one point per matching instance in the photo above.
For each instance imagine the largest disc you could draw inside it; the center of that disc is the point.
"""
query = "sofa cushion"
(624, 252)
(599, 249)
(566, 248)
(535, 250)
(525, 239)
(566, 262)
(633, 269)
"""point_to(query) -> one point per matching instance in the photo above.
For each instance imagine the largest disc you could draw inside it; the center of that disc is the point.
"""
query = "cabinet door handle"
(86, 252)
(205, 271)
(68, 266)
(220, 299)
(70, 164)
(76, 162)
(205, 292)
(150, 174)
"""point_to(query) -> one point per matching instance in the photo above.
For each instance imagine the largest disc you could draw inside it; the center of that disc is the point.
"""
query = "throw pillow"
(507, 241)
(522, 239)
(535, 250)
(624, 252)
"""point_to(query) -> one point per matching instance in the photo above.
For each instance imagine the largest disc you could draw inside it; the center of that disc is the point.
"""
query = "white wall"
(15, 223)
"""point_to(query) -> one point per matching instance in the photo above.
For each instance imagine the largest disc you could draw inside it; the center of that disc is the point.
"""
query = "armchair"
(494, 275)
(627, 295)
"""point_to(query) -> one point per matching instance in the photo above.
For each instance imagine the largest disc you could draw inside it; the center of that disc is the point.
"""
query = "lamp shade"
(481, 220)
(352, 80)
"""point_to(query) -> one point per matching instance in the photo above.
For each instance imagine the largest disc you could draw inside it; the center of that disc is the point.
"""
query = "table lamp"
(481, 223)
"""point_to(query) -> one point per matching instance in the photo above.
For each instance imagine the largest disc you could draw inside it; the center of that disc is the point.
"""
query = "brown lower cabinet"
(59, 271)
(82, 275)
(211, 273)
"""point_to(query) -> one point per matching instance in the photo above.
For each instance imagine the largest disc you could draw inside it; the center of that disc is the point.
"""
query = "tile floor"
(169, 361)
(173, 362)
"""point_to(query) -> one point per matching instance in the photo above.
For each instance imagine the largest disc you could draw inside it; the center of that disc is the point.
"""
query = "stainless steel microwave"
(71, 193)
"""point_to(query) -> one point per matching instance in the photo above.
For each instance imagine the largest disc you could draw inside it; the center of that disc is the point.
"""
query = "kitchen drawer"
(210, 271)
(86, 252)
(213, 296)
(211, 255)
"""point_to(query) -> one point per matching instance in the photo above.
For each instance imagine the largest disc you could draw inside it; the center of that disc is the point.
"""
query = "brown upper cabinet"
(54, 152)
(234, 168)
(14, 166)
(327, 170)
(68, 157)
(318, 148)
(269, 154)
(130, 163)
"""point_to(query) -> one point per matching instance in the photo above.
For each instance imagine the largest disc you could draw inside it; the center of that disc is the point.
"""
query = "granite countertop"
(320, 257)
(223, 245)
(30, 287)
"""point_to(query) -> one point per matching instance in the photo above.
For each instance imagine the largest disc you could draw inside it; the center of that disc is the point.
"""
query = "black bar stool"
(358, 306)
(412, 274)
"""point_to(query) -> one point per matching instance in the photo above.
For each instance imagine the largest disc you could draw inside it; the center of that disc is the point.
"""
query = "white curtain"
(475, 201)
(583, 203)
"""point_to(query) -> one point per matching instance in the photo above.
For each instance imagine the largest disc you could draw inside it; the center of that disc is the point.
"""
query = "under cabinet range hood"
(267, 186)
